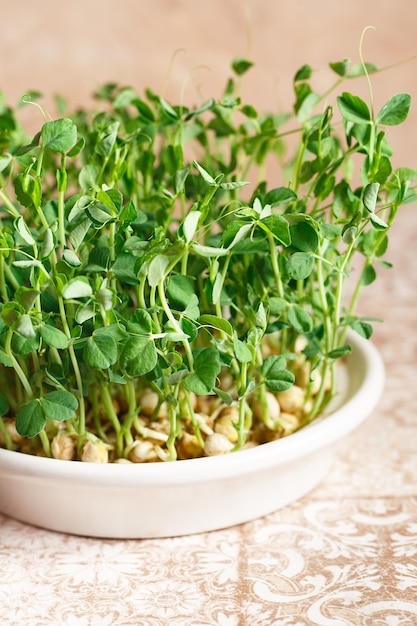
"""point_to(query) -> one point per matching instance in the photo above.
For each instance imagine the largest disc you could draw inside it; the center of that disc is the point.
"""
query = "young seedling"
(161, 297)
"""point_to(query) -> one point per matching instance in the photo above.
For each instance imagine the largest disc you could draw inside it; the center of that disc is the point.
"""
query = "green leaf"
(106, 140)
(368, 275)
(370, 196)
(77, 148)
(207, 367)
(106, 298)
(204, 173)
(208, 105)
(305, 109)
(99, 213)
(190, 224)
(24, 327)
(59, 135)
(140, 323)
(360, 69)
(77, 288)
(25, 345)
(283, 381)
(87, 177)
(330, 231)
(337, 353)
(156, 270)
(167, 109)
(300, 265)
(124, 268)
(84, 313)
(26, 297)
(225, 397)
(280, 195)
(242, 352)
(139, 356)
(53, 337)
(279, 228)
(209, 251)
(78, 234)
(240, 65)
(304, 236)
(276, 377)
(28, 263)
(300, 320)
(340, 67)
(30, 420)
(180, 289)
(378, 223)
(98, 259)
(362, 328)
(48, 244)
(233, 184)
(180, 178)
(239, 235)
(59, 405)
(304, 73)
(192, 310)
(277, 305)
(396, 110)
(100, 351)
(353, 109)
(272, 365)
(71, 258)
(218, 323)
(24, 231)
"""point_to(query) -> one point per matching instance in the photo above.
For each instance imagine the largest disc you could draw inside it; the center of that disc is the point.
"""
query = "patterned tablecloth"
(344, 555)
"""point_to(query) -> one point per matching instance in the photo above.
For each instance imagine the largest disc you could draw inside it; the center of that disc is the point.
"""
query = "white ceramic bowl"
(192, 496)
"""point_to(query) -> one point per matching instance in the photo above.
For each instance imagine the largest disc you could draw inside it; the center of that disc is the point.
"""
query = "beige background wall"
(71, 47)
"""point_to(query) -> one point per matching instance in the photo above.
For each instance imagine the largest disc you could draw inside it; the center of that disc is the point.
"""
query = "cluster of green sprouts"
(141, 247)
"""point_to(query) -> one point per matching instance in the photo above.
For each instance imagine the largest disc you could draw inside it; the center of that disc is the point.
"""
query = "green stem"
(77, 373)
(45, 443)
(6, 435)
(130, 395)
(241, 427)
(319, 399)
(339, 291)
(112, 416)
(96, 414)
(174, 322)
(61, 222)
(8, 205)
(3, 286)
(278, 282)
(324, 304)
(16, 366)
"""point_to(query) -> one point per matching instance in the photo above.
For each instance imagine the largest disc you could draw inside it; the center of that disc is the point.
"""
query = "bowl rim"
(365, 362)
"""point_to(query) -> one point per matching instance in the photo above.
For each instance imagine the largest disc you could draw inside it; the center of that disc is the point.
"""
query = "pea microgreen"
(147, 246)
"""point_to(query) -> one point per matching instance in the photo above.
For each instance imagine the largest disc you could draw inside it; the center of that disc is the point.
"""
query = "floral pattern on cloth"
(319, 562)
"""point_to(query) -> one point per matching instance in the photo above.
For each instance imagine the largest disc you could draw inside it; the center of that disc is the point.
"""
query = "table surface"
(346, 554)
